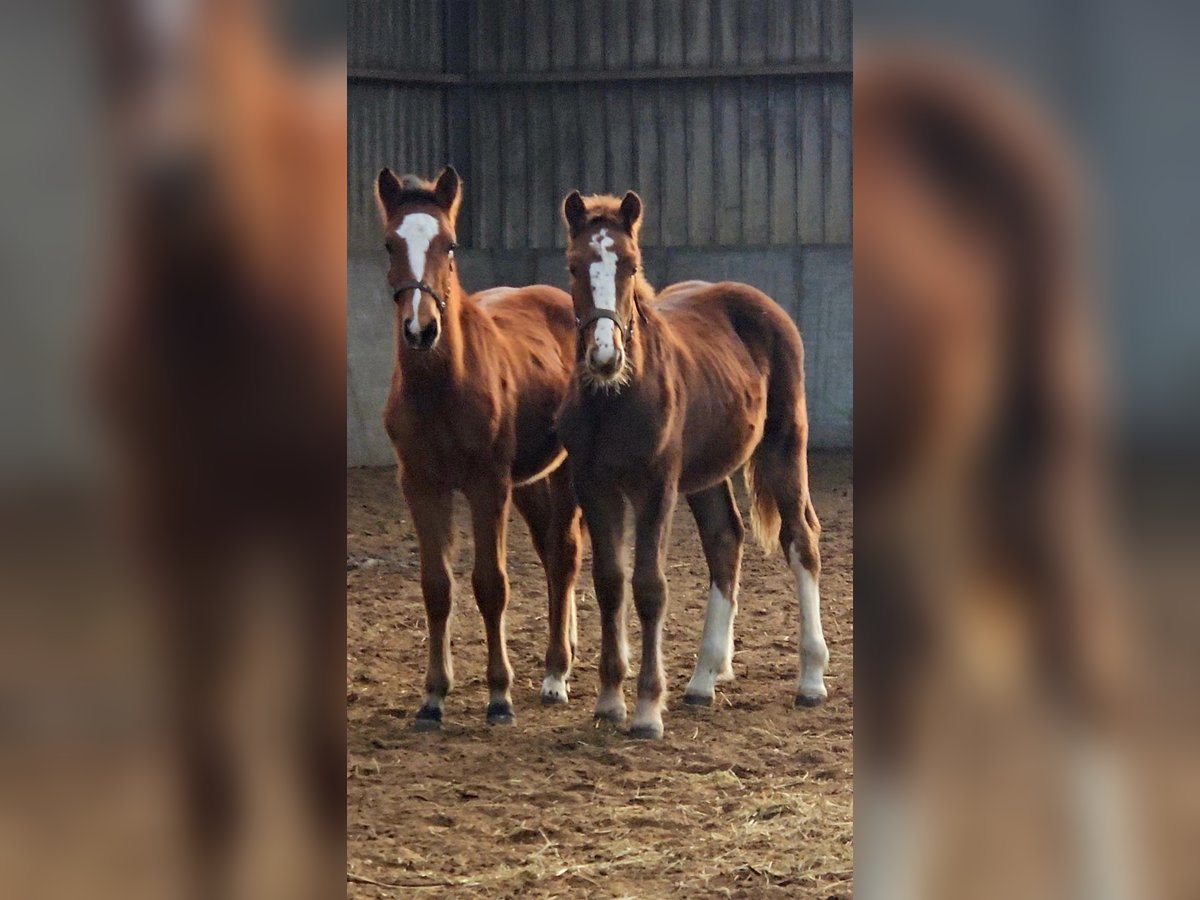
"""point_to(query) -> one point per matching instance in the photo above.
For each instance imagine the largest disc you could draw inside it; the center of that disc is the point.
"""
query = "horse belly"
(723, 427)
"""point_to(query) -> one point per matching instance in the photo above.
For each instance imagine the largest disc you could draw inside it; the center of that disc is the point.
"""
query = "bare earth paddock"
(750, 798)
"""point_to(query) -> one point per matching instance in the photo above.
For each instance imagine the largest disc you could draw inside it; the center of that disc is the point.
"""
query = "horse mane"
(414, 188)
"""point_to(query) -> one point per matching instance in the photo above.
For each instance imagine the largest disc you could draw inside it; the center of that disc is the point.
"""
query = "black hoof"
(646, 732)
(803, 701)
(428, 718)
(612, 718)
(697, 700)
(500, 712)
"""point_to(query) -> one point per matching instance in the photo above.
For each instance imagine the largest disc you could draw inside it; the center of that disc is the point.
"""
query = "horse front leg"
(653, 508)
(604, 510)
(431, 510)
(489, 499)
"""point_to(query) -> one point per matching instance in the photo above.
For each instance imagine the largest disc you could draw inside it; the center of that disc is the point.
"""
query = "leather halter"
(424, 288)
(597, 314)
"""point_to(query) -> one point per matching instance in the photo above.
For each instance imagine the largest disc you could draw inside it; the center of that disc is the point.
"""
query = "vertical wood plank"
(569, 140)
(752, 31)
(699, 164)
(593, 114)
(756, 201)
(618, 175)
(725, 32)
(671, 37)
(810, 120)
(782, 125)
(513, 168)
(512, 36)
(781, 31)
(697, 33)
(809, 44)
(542, 202)
(486, 52)
(645, 34)
(674, 164)
(617, 39)
(487, 177)
(537, 35)
(591, 36)
(839, 37)
(838, 199)
(646, 178)
(563, 39)
(727, 163)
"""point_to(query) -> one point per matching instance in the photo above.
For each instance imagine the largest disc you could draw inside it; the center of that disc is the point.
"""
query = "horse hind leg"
(722, 535)
(550, 510)
(799, 538)
(778, 480)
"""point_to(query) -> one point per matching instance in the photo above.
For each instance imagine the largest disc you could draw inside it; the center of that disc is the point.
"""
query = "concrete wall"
(813, 282)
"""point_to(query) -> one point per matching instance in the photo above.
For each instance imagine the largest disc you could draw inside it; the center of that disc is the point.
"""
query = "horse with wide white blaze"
(674, 394)
(477, 383)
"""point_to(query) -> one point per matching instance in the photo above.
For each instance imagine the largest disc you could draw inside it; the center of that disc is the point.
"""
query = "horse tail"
(775, 476)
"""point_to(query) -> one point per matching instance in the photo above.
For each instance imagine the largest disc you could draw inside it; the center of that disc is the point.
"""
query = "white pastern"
(554, 689)
(604, 292)
(715, 660)
(418, 231)
(814, 655)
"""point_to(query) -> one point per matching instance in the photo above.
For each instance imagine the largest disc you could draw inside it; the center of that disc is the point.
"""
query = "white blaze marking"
(418, 231)
(814, 655)
(715, 660)
(604, 292)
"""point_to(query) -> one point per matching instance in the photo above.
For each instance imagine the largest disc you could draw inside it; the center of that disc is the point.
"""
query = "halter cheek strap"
(421, 286)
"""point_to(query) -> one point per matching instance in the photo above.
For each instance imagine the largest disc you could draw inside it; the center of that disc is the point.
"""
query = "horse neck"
(444, 364)
(646, 328)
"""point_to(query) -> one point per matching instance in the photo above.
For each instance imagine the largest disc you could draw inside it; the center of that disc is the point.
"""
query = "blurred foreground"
(1026, 716)
(173, 656)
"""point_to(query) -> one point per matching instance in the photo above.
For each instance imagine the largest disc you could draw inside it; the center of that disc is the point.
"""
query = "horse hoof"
(428, 718)
(808, 701)
(650, 731)
(500, 712)
(554, 691)
(697, 700)
(612, 717)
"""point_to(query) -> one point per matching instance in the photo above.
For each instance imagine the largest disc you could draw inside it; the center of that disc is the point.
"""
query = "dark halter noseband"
(424, 288)
(597, 314)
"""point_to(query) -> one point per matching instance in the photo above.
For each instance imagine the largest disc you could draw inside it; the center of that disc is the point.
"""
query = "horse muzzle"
(605, 366)
(424, 339)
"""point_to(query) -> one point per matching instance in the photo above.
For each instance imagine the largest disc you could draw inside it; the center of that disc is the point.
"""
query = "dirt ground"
(749, 798)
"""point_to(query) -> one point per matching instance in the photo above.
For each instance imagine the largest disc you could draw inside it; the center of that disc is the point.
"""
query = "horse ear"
(448, 192)
(574, 213)
(631, 212)
(387, 191)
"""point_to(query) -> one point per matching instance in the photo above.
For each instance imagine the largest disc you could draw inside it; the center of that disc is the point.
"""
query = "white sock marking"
(554, 688)
(604, 293)
(418, 231)
(714, 662)
(814, 655)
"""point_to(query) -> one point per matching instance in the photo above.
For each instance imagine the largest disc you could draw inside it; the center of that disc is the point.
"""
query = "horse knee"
(491, 587)
(436, 587)
(649, 592)
(806, 551)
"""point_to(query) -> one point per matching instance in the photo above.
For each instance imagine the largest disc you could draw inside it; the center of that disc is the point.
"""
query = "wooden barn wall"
(720, 161)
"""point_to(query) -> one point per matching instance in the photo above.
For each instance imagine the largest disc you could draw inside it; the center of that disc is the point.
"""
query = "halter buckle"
(424, 288)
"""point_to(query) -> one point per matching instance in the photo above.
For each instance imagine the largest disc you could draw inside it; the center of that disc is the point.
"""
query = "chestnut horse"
(477, 382)
(672, 396)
